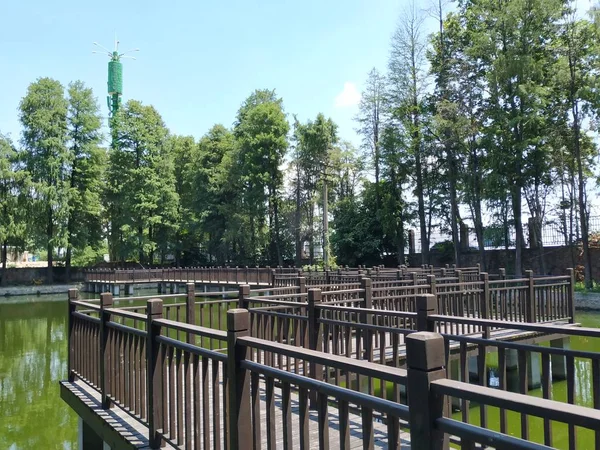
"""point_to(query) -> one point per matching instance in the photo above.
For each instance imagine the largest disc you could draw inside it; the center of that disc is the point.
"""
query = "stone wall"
(37, 275)
(587, 301)
(556, 260)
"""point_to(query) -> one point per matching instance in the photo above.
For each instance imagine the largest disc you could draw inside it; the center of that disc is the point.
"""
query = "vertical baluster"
(522, 355)
(255, 399)
(546, 391)
(287, 417)
(502, 386)
(344, 424)
(179, 389)
(596, 395)
(197, 402)
(570, 360)
(216, 405)
(205, 403)
(270, 406)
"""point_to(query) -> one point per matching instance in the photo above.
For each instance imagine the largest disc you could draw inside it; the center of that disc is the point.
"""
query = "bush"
(445, 250)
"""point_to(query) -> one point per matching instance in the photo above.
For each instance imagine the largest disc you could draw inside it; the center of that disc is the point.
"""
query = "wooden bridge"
(170, 278)
(371, 364)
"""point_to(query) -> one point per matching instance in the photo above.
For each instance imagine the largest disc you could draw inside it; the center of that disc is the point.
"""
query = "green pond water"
(33, 358)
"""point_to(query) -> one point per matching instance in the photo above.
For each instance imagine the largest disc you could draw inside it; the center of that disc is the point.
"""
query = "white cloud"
(348, 97)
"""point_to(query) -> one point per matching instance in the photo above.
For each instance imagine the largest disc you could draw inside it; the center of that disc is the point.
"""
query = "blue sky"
(199, 60)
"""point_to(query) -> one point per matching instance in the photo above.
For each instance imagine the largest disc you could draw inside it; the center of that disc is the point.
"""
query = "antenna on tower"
(115, 75)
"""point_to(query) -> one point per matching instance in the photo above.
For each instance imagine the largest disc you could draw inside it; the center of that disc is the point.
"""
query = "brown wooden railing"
(196, 397)
(274, 277)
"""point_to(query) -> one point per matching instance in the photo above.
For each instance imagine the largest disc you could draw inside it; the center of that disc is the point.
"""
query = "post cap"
(73, 294)
(154, 307)
(237, 319)
(106, 300)
(425, 351)
(426, 302)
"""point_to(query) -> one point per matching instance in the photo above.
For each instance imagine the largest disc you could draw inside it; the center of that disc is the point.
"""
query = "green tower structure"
(115, 76)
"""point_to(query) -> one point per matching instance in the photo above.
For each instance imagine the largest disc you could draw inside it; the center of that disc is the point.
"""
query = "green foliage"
(84, 225)
(479, 123)
(45, 155)
(141, 198)
(88, 256)
(261, 133)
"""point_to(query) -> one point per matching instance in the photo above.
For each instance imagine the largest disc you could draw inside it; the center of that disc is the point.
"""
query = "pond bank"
(10, 291)
(587, 301)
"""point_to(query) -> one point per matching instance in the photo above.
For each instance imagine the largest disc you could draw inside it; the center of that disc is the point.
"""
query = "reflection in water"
(33, 358)
(583, 393)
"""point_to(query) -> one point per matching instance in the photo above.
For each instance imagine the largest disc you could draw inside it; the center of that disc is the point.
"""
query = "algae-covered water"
(583, 395)
(33, 358)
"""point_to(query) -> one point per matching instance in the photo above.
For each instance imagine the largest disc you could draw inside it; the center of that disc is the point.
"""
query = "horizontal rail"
(567, 329)
(86, 305)
(193, 329)
(203, 352)
(375, 312)
(343, 291)
(126, 329)
(534, 406)
(271, 313)
(517, 346)
(360, 367)
(275, 302)
(339, 393)
(126, 314)
(366, 326)
(485, 436)
(82, 316)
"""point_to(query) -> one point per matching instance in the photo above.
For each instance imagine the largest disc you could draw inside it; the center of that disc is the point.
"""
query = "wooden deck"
(121, 430)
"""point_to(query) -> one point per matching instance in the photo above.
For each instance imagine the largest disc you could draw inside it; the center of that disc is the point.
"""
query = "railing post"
(302, 285)
(243, 294)
(327, 277)
(367, 285)
(273, 277)
(432, 284)
(190, 309)
(530, 298)
(571, 295)
(415, 278)
(240, 430)
(425, 360)
(461, 279)
(106, 301)
(485, 302)
(154, 373)
(73, 296)
(315, 338)
(426, 306)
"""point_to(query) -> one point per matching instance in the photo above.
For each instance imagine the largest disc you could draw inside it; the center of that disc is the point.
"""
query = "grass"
(580, 287)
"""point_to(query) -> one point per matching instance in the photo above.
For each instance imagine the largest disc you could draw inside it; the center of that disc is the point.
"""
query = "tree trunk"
(297, 220)
(454, 214)
(4, 259)
(277, 234)
(421, 209)
(517, 210)
(68, 264)
(325, 227)
(140, 246)
(49, 234)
